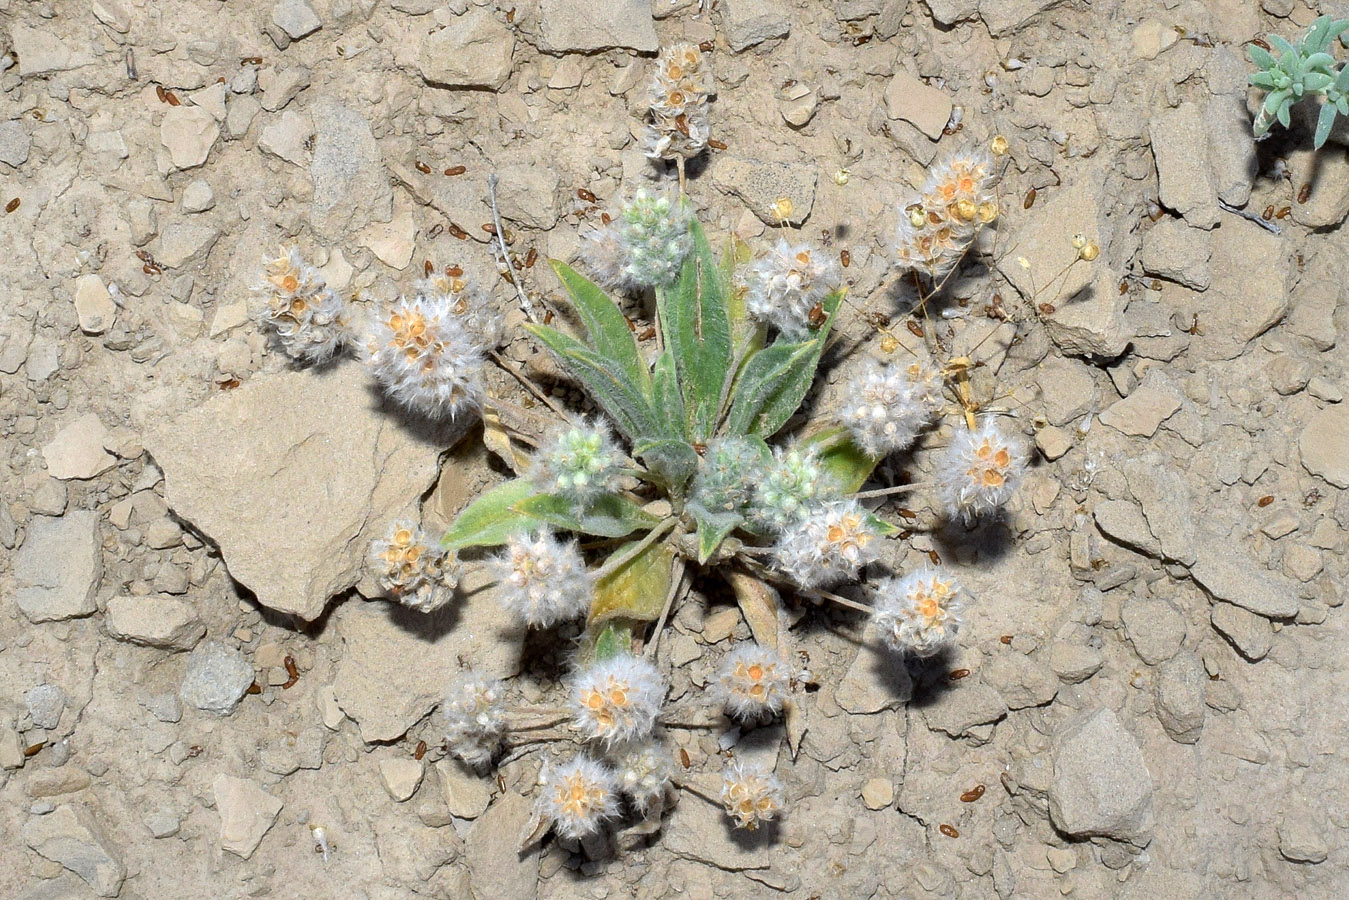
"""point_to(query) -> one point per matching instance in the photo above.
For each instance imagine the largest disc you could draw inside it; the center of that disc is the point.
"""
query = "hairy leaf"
(759, 603)
(787, 397)
(697, 329)
(604, 379)
(841, 459)
(612, 515)
(1324, 122)
(674, 462)
(606, 327)
(669, 402)
(712, 530)
(761, 378)
(614, 640)
(491, 519)
(636, 591)
(1261, 57)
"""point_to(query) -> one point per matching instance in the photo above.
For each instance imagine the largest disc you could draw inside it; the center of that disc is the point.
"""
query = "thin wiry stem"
(525, 303)
(897, 489)
(620, 560)
(676, 588)
(529, 385)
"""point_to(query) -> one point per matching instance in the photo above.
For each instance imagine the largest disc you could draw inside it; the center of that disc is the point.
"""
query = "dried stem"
(897, 489)
(676, 588)
(620, 560)
(525, 303)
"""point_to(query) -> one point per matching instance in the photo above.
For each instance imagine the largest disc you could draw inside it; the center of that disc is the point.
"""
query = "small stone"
(1152, 36)
(11, 748)
(466, 794)
(296, 18)
(876, 681)
(1123, 523)
(76, 451)
(878, 793)
(1302, 836)
(1302, 563)
(748, 23)
(1251, 635)
(217, 678)
(496, 867)
(40, 51)
(571, 26)
(958, 711)
(763, 186)
(212, 99)
(94, 305)
(286, 137)
(54, 782)
(1324, 389)
(45, 704)
(183, 243)
(1146, 408)
(188, 133)
(392, 242)
(14, 143)
(228, 316)
(797, 111)
(1066, 389)
(112, 13)
(1313, 313)
(279, 88)
(1003, 16)
(1180, 148)
(1154, 627)
(913, 101)
(474, 50)
(1328, 203)
(155, 621)
(1324, 445)
(1074, 663)
(246, 811)
(528, 196)
(1164, 495)
(1053, 442)
(944, 12)
(162, 823)
(1181, 688)
(1101, 786)
(1232, 153)
(74, 840)
(1226, 572)
(1287, 375)
(1021, 681)
(198, 197)
(351, 188)
(400, 777)
(1176, 251)
(567, 75)
(720, 625)
(57, 570)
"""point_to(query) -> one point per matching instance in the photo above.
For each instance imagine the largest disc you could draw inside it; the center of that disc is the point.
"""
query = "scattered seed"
(501, 782)
(1047, 309)
(1284, 213)
(422, 167)
(12, 205)
(948, 830)
(585, 195)
(1268, 213)
(1030, 199)
(34, 749)
(159, 92)
(1006, 639)
(716, 145)
(453, 271)
(510, 19)
(957, 674)
(1123, 288)
(427, 268)
(817, 316)
(1265, 501)
(254, 688)
(934, 556)
(647, 334)
(684, 758)
(229, 385)
(605, 218)
(531, 257)
(195, 750)
(456, 170)
(293, 671)
(1304, 192)
(436, 231)
(906, 513)
(914, 328)
(507, 277)
(845, 258)
(705, 46)
(456, 231)
(420, 751)
(251, 61)
(489, 228)
(172, 98)
(972, 794)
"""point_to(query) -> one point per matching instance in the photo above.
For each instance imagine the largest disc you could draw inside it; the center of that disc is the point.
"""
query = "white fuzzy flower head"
(751, 794)
(936, 228)
(654, 232)
(577, 796)
(643, 772)
(830, 544)
(884, 410)
(475, 717)
(421, 354)
(723, 487)
(580, 462)
(679, 93)
(414, 571)
(785, 285)
(542, 580)
(485, 324)
(617, 700)
(752, 682)
(790, 485)
(919, 614)
(308, 320)
(606, 256)
(980, 470)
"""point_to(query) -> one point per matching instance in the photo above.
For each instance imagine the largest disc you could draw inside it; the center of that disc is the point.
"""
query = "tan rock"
(76, 451)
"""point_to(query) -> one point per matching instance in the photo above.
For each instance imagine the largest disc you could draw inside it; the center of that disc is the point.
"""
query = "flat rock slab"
(73, 839)
(246, 813)
(1227, 573)
(293, 475)
(159, 621)
(347, 170)
(1146, 408)
(577, 26)
(497, 871)
(1180, 147)
(57, 569)
(474, 51)
(917, 103)
(762, 185)
(1324, 444)
(1101, 786)
(76, 451)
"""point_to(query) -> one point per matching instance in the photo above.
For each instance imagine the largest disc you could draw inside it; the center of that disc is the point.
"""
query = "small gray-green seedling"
(1299, 72)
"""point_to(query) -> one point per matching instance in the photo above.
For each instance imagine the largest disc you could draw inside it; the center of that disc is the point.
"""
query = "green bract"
(1302, 71)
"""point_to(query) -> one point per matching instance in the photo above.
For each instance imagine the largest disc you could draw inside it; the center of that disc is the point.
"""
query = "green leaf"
(743, 327)
(636, 591)
(761, 378)
(712, 530)
(1286, 50)
(491, 519)
(786, 399)
(697, 329)
(671, 460)
(1324, 122)
(612, 515)
(842, 459)
(604, 379)
(606, 327)
(1262, 80)
(669, 402)
(881, 526)
(1282, 114)
(1262, 57)
(614, 640)
(1342, 80)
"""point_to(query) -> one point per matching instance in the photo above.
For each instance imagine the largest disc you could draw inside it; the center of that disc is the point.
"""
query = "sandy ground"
(1153, 695)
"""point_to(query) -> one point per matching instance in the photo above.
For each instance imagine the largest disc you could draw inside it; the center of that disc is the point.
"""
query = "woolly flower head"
(474, 717)
(937, 227)
(541, 579)
(308, 319)
(793, 481)
(421, 354)
(830, 544)
(643, 771)
(980, 471)
(751, 794)
(752, 681)
(414, 571)
(679, 93)
(617, 700)
(884, 410)
(786, 284)
(606, 256)
(483, 322)
(579, 462)
(919, 613)
(724, 484)
(577, 796)
(645, 246)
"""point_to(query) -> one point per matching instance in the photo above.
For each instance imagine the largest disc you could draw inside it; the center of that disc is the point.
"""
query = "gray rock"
(1002, 16)
(1232, 154)
(875, 681)
(183, 243)
(401, 777)
(156, 621)
(165, 707)
(246, 813)
(281, 87)
(571, 26)
(964, 707)
(1324, 445)
(528, 195)
(296, 18)
(921, 105)
(1180, 147)
(495, 867)
(94, 305)
(475, 50)
(949, 12)
(466, 794)
(76, 451)
(45, 704)
(74, 840)
(1101, 786)
(188, 133)
(760, 185)
(285, 138)
(1328, 203)
(163, 823)
(1154, 627)
(41, 51)
(1226, 572)
(14, 143)
(1251, 635)
(1066, 389)
(410, 853)
(1123, 522)
(1146, 408)
(244, 467)
(1171, 249)
(1021, 681)
(217, 678)
(698, 831)
(347, 169)
(1181, 690)
(1302, 835)
(1248, 262)
(1164, 496)
(1313, 314)
(57, 569)
(1074, 663)
(748, 23)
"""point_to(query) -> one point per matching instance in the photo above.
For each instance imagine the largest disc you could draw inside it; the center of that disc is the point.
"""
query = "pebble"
(1123, 522)
(351, 188)
(162, 823)
(1053, 442)
(474, 50)
(76, 451)
(748, 23)
(1101, 786)
(1232, 153)
(1151, 37)
(198, 196)
(392, 242)
(400, 777)
(182, 243)
(1066, 389)
(188, 133)
(155, 621)
(14, 143)
(45, 704)
(285, 137)
(217, 678)
(761, 185)
(571, 26)
(1176, 251)
(1181, 688)
(1164, 495)
(1022, 681)
(281, 87)
(1074, 663)
(466, 794)
(296, 18)
(57, 570)
(878, 793)
(1250, 634)
(961, 709)
(40, 51)
(94, 305)
(720, 625)
(913, 101)
(1180, 147)
(11, 748)
(1302, 836)
(528, 195)
(73, 839)
(1227, 572)
(1324, 445)
(1313, 312)
(494, 865)
(228, 316)
(1328, 203)
(1146, 408)
(1002, 16)
(246, 813)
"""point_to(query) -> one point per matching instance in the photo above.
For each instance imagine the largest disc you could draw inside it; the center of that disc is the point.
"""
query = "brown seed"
(489, 228)
(705, 46)
(12, 205)
(1047, 309)
(293, 671)
(251, 60)
(716, 145)
(845, 258)
(531, 257)
(914, 328)
(436, 230)
(1030, 199)
(605, 219)
(427, 268)
(647, 334)
(948, 830)
(1123, 288)
(1265, 501)
(456, 170)
(817, 316)
(548, 317)
(510, 19)
(1260, 43)
(229, 385)
(457, 232)
(172, 98)
(1284, 213)
(1268, 213)
(972, 794)
(501, 782)
(453, 271)
(159, 92)
(1006, 639)
(33, 749)
(957, 674)
(933, 555)
(859, 41)
(422, 167)
(1304, 192)
(254, 688)
(906, 513)
(420, 751)
(147, 270)
(195, 750)
(684, 758)
(585, 195)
